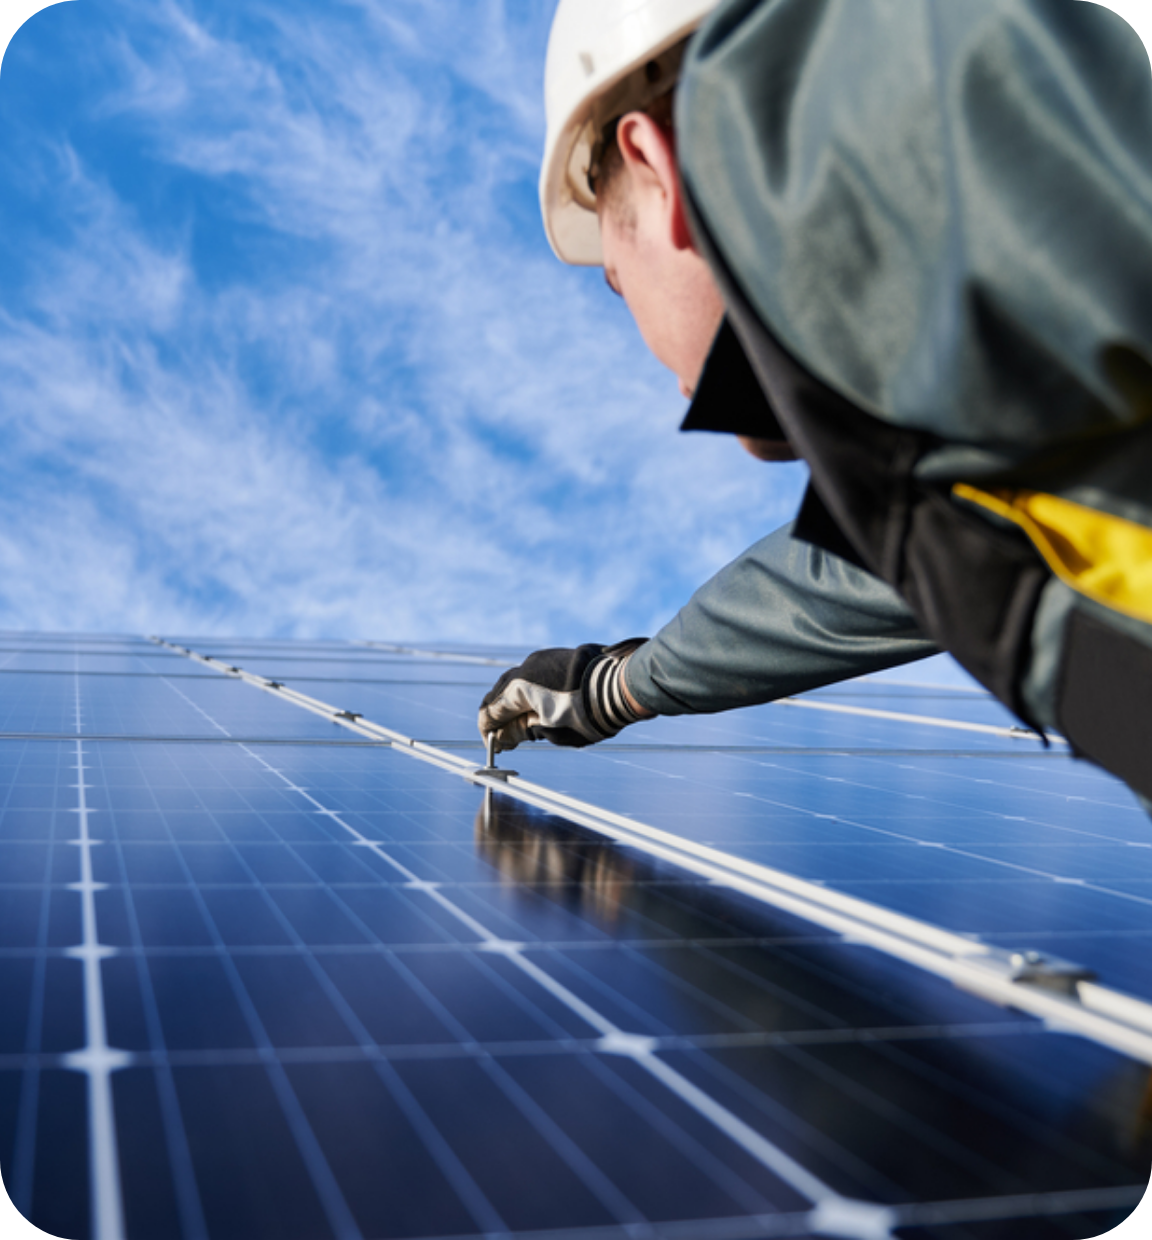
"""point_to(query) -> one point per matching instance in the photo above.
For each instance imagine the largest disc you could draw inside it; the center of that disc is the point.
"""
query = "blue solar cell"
(319, 917)
(169, 917)
(389, 917)
(16, 981)
(526, 1180)
(126, 1014)
(391, 1181)
(151, 1204)
(57, 1195)
(20, 918)
(63, 923)
(198, 1005)
(214, 864)
(245, 1187)
(13, 1086)
(246, 918)
(292, 1002)
(473, 1000)
(267, 861)
(382, 1001)
(58, 1025)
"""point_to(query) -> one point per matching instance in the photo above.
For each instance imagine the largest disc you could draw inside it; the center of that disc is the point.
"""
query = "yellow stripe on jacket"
(1106, 558)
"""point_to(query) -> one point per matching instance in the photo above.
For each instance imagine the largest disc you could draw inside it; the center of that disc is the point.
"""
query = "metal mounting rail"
(451, 655)
(1014, 731)
(1058, 992)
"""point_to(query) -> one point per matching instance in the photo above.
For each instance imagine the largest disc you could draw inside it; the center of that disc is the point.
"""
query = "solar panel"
(276, 963)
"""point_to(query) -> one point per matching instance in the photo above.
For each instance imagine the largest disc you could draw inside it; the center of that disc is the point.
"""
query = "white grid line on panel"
(97, 1060)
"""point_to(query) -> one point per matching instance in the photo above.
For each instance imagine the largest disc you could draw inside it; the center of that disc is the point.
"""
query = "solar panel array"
(266, 974)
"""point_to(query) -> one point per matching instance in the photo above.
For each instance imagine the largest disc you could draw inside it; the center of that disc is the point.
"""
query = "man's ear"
(649, 153)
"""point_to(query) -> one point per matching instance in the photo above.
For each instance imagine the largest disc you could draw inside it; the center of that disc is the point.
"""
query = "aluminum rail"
(451, 655)
(929, 721)
(1062, 994)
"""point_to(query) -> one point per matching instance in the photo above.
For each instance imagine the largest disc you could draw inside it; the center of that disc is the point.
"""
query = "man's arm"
(782, 618)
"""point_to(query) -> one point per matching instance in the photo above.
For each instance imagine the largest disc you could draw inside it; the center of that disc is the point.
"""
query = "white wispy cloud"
(334, 384)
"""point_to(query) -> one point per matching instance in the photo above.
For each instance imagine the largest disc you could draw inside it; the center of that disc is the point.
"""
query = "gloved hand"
(568, 697)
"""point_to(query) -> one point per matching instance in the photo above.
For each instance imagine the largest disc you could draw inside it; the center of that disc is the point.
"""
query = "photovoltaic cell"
(328, 989)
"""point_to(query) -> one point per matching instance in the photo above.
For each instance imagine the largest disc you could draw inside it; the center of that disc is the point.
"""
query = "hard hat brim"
(572, 226)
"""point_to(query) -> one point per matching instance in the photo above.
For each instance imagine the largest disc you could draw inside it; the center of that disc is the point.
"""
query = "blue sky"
(284, 352)
(283, 349)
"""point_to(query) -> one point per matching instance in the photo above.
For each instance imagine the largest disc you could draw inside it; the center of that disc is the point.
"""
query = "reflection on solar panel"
(275, 962)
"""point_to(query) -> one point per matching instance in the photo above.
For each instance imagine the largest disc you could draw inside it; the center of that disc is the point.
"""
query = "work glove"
(568, 697)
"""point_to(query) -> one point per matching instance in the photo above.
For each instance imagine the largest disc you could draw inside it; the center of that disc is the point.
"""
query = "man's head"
(605, 58)
(610, 189)
(649, 256)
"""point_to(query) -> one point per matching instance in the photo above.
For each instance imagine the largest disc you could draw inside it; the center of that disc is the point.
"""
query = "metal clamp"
(1033, 968)
(492, 771)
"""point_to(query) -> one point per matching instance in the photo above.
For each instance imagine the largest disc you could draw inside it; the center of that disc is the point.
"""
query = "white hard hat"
(590, 77)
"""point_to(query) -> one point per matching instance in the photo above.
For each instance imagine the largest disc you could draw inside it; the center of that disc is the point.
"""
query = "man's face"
(668, 287)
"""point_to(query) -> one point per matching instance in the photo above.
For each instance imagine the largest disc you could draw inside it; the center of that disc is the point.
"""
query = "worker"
(910, 242)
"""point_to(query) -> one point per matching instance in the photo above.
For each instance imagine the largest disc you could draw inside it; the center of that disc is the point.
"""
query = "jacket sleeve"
(783, 617)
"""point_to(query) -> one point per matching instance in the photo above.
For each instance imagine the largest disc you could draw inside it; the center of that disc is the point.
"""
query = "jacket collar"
(728, 396)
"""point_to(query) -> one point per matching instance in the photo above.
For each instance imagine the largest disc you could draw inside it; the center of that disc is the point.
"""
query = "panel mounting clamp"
(1033, 968)
(492, 771)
